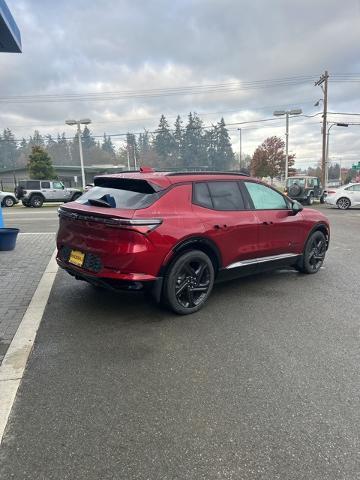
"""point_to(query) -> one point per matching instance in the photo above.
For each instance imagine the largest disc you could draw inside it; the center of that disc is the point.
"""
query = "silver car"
(7, 199)
(344, 197)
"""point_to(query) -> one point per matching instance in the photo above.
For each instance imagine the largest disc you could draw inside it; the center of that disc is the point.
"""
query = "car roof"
(165, 179)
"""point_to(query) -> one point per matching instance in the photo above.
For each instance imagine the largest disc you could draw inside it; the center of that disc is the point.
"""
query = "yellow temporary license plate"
(77, 258)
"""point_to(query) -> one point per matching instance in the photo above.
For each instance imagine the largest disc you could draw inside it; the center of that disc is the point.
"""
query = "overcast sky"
(83, 46)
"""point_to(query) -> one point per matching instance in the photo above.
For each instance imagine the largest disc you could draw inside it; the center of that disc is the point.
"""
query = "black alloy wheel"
(314, 254)
(189, 282)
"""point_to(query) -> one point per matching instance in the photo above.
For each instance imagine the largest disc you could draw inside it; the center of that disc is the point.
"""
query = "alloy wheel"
(317, 253)
(343, 203)
(193, 283)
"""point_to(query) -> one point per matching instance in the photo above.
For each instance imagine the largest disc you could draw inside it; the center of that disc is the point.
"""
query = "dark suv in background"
(304, 189)
(175, 234)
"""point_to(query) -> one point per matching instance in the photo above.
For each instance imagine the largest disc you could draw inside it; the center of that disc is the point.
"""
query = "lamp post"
(83, 121)
(336, 124)
(287, 113)
(240, 149)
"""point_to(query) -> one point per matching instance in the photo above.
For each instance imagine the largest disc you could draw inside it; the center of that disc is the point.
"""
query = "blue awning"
(10, 39)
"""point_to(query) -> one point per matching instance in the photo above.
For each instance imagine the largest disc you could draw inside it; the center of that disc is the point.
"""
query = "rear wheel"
(36, 201)
(189, 282)
(343, 203)
(310, 199)
(8, 202)
(314, 254)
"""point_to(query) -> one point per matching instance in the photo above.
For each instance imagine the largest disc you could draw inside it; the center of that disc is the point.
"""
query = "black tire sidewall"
(305, 263)
(7, 199)
(169, 296)
(34, 198)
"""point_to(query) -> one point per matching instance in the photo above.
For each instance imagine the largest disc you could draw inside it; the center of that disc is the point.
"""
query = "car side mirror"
(63, 187)
(296, 207)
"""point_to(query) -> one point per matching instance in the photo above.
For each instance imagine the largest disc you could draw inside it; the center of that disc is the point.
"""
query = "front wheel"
(189, 282)
(314, 254)
(343, 203)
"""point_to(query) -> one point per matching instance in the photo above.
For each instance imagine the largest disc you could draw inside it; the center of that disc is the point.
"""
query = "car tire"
(8, 202)
(25, 203)
(313, 255)
(188, 282)
(36, 201)
(75, 196)
(343, 203)
(322, 199)
(310, 199)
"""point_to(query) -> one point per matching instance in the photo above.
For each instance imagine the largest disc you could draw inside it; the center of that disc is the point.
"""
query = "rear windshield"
(122, 193)
(298, 181)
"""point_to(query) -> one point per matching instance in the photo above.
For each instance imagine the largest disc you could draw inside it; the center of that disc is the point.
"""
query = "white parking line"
(13, 365)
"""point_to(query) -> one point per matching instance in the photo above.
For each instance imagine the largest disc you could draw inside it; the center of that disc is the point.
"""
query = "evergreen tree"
(224, 153)
(193, 151)
(40, 164)
(164, 143)
(37, 140)
(88, 141)
(108, 147)
(8, 149)
(132, 151)
(178, 141)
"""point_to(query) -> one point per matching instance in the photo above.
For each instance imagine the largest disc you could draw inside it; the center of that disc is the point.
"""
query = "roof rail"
(206, 172)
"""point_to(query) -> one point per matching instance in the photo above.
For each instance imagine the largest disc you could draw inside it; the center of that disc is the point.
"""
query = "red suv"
(175, 234)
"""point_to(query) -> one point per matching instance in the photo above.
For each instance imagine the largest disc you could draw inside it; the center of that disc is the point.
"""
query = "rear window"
(30, 184)
(120, 193)
(298, 181)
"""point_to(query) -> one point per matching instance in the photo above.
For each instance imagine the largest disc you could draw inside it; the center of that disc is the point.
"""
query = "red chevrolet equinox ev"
(175, 234)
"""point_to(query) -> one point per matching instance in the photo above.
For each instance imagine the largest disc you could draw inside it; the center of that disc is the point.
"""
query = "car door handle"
(267, 223)
(219, 227)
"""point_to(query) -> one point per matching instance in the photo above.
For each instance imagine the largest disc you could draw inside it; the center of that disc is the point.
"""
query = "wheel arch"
(194, 243)
(323, 228)
(36, 194)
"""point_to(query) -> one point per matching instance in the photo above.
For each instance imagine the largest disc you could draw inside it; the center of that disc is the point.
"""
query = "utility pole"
(287, 148)
(324, 80)
(240, 149)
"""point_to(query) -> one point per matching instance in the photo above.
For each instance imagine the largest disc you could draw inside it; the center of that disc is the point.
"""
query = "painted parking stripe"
(14, 362)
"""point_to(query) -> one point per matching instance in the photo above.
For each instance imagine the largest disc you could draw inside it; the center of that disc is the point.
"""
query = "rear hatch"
(102, 222)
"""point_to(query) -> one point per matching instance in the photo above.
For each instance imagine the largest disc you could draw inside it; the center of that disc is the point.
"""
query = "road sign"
(356, 166)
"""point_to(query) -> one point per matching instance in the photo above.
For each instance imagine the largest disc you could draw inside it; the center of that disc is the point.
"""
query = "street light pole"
(287, 113)
(84, 121)
(81, 156)
(240, 149)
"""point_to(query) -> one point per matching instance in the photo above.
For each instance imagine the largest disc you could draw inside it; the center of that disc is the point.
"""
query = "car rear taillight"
(330, 192)
(141, 225)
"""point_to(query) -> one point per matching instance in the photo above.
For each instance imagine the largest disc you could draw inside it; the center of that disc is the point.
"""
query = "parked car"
(7, 199)
(344, 197)
(175, 234)
(33, 193)
(304, 189)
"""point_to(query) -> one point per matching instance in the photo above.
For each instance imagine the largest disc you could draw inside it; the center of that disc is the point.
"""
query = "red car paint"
(134, 253)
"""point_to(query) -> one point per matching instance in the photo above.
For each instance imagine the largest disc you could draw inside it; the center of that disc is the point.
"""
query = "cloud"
(114, 45)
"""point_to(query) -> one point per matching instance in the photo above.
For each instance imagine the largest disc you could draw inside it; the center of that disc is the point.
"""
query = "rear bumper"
(117, 281)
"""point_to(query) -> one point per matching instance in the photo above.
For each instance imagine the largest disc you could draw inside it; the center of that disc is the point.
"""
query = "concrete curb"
(14, 363)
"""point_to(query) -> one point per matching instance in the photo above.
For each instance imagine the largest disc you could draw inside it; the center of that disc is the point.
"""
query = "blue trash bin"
(8, 238)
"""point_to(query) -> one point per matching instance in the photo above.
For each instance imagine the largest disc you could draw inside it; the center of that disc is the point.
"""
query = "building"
(70, 175)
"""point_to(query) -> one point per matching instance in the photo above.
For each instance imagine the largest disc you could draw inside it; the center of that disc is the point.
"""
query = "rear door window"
(33, 185)
(223, 196)
(121, 193)
(45, 184)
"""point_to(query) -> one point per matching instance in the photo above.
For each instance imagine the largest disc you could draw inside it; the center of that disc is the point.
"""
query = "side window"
(357, 188)
(310, 182)
(265, 198)
(58, 185)
(226, 196)
(350, 188)
(202, 195)
(45, 184)
(33, 185)
(316, 182)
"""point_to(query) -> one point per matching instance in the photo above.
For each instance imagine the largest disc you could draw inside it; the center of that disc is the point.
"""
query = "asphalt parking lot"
(263, 383)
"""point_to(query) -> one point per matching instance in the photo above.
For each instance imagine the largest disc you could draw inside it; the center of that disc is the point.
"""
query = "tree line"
(179, 146)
